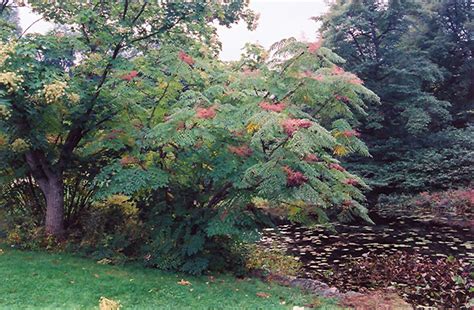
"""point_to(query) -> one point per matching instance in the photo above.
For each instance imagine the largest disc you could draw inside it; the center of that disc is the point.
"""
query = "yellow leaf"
(252, 127)
(108, 304)
(340, 150)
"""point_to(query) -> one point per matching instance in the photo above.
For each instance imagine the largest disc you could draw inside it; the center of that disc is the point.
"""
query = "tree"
(226, 140)
(59, 90)
(414, 56)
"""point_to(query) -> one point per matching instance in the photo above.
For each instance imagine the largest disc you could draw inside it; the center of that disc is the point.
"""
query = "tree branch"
(157, 103)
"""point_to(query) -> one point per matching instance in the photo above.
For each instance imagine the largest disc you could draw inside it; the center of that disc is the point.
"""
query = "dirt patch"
(378, 300)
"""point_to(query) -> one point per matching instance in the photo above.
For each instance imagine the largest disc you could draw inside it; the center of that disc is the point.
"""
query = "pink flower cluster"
(337, 70)
(294, 178)
(355, 80)
(351, 181)
(251, 73)
(277, 107)
(336, 167)
(314, 46)
(311, 75)
(344, 99)
(311, 158)
(130, 76)
(185, 58)
(346, 203)
(350, 133)
(291, 125)
(241, 151)
(206, 113)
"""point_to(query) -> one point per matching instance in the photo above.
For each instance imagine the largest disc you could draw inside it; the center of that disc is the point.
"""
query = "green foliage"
(436, 161)
(130, 101)
(110, 229)
(271, 260)
(66, 96)
(414, 56)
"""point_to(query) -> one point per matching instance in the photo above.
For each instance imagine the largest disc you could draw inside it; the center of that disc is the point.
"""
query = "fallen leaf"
(263, 295)
(104, 261)
(96, 275)
(1, 252)
(108, 304)
(184, 282)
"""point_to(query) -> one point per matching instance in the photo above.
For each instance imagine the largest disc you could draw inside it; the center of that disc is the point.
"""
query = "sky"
(279, 19)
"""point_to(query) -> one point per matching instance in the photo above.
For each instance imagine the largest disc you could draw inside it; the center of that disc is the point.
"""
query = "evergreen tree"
(423, 85)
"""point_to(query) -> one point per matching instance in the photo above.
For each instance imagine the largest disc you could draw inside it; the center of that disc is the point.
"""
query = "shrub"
(460, 201)
(454, 202)
(271, 260)
(111, 229)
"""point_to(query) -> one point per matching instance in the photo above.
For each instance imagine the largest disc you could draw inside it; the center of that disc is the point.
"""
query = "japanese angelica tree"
(215, 143)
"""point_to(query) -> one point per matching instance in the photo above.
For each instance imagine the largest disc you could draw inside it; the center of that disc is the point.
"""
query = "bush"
(271, 260)
(111, 229)
(460, 202)
(193, 239)
(453, 203)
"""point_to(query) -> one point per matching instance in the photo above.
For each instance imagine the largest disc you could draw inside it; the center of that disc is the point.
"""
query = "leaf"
(263, 295)
(184, 282)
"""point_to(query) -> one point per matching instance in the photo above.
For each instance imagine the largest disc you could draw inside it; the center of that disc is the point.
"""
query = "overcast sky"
(279, 19)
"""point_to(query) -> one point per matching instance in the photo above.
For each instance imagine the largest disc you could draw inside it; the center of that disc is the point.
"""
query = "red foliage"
(206, 113)
(130, 76)
(346, 203)
(353, 182)
(443, 283)
(318, 77)
(277, 107)
(180, 126)
(314, 46)
(311, 75)
(186, 58)
(294, 178)
(291, 125)
(250, 72)
(355, 80)
(350, 133)
(461, 201)
(128, 160)
(241, 151)
(311, 158)
(336, 167)
(344, 99)
(337, 70)
(238, 134)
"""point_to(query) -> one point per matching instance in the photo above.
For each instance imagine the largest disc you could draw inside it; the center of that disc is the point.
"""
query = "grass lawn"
(39, 280)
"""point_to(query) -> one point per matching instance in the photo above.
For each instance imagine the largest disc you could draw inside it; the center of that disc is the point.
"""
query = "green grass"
(39, 280)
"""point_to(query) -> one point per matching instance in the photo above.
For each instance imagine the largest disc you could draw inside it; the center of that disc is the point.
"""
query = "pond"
(331, 255)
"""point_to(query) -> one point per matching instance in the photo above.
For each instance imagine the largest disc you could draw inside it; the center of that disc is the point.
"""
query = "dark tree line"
(417, 56)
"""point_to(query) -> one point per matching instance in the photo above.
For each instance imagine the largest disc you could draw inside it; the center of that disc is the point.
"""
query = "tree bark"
(54, 194)
(52, 185)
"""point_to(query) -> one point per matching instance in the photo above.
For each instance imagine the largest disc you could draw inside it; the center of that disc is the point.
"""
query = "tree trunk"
(54, 194)
(51, 183)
